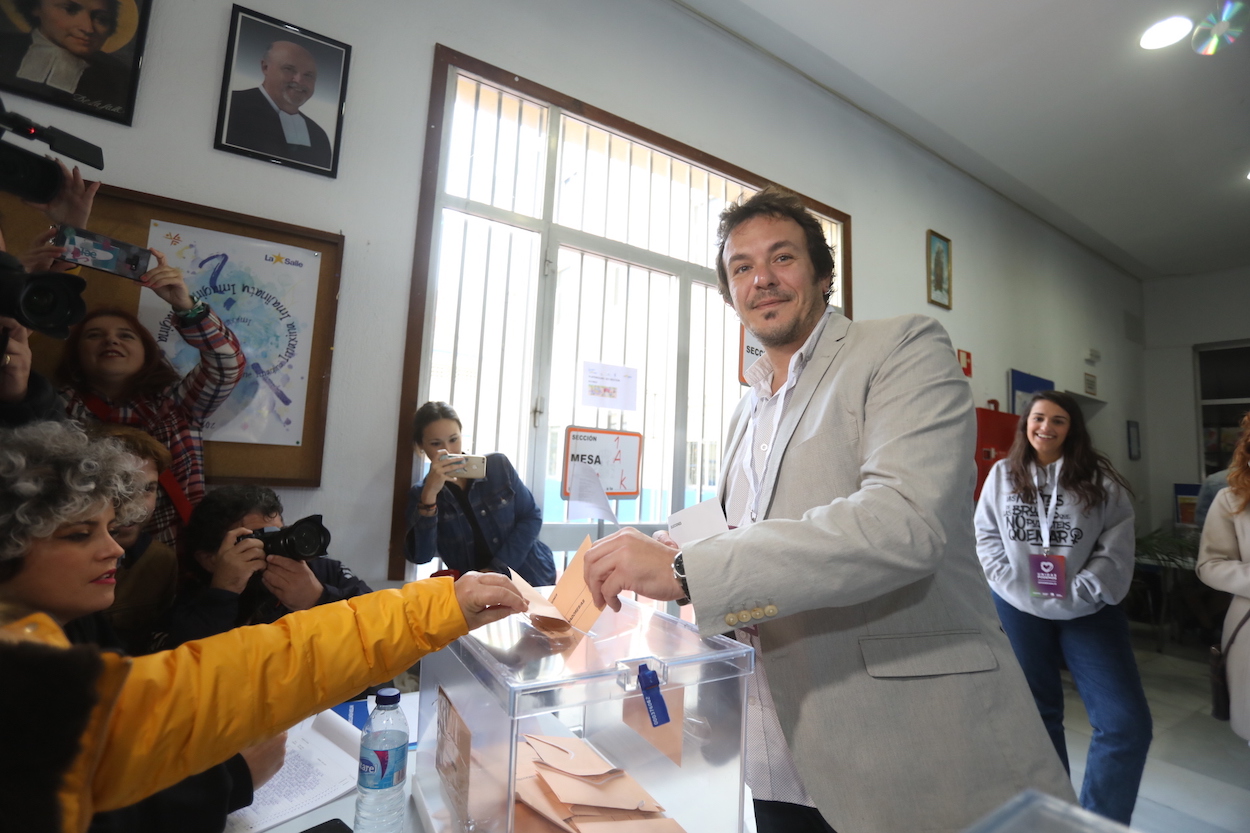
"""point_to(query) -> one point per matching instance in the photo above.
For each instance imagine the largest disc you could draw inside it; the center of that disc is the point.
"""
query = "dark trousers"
(1099, 654)
(783, 817)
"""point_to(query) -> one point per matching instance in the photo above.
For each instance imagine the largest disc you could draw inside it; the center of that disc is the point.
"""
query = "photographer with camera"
(235, 574)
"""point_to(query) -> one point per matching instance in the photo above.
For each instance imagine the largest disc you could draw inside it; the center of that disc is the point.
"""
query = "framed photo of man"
(282, 93)
(938, 259)
(82, 55)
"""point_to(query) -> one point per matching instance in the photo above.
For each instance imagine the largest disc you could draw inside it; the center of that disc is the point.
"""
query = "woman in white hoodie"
(1055, 537)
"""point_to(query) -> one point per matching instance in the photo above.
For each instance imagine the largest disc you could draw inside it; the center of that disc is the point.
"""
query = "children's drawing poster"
(266, 293)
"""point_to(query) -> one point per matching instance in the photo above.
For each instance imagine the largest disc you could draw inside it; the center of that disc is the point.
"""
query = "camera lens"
(305, 540)
(40, 301)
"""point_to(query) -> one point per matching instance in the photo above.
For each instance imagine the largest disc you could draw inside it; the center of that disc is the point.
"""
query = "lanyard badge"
(1047, 571)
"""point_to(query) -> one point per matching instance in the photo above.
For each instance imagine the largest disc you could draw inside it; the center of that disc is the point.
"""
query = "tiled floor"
(1197, 776)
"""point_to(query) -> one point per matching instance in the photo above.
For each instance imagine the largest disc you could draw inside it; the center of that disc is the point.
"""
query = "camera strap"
(169, 482)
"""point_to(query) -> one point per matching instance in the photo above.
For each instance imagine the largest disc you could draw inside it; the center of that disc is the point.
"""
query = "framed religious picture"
(938, 267)
(282, 93)
(82, 55)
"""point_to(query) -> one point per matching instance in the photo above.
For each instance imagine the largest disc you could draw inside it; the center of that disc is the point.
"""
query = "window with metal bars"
(557, 239)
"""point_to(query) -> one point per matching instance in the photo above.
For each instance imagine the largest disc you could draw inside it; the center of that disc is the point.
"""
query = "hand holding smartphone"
(474, 466)
(102, 252)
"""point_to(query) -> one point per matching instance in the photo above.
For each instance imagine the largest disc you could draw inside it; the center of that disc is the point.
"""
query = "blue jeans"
(1099, 654)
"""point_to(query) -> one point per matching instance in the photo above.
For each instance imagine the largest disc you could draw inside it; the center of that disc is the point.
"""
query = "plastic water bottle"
(380, 804)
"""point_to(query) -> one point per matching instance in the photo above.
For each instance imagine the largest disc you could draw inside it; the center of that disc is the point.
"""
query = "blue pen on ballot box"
(649, 682)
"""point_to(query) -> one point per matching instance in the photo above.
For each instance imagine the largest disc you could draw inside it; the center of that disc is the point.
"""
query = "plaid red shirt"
(176, 416)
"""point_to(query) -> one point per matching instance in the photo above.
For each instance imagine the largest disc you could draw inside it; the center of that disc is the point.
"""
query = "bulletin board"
(127, 215)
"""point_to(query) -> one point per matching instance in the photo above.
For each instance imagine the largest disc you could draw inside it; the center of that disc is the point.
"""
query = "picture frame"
(283, 93)
(43, 59)
(1091, 384)
(937, 251)
(1134, 440)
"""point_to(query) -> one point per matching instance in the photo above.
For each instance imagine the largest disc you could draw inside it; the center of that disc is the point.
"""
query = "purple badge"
(1047, 576)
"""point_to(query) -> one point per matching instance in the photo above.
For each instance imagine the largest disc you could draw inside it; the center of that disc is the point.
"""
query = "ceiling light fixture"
(1166, 32)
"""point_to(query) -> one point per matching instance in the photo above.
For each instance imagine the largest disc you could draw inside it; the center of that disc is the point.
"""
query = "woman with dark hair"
(113, 371)
(65, 54)
(1055, 537)
(487, 523)
(1224, 564)
(98, 731)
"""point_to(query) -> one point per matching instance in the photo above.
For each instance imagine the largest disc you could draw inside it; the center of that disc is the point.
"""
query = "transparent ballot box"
(1035, 812)
(522, 730)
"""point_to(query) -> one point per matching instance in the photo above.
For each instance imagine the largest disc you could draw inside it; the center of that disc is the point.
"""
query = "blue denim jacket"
(506, 512)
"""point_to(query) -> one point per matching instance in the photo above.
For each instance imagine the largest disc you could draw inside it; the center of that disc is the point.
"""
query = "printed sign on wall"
(266, 294)
(616, 456)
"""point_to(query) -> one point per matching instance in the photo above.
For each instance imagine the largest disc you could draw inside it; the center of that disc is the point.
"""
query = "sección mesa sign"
(616, 456)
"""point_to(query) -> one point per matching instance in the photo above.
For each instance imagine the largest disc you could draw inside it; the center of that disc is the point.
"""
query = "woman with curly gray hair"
(60, 492)
(127, 728)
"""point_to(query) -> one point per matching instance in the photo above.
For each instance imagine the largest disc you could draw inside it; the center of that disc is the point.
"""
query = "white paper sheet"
(321, 765)
(694, 523)
(587, 498)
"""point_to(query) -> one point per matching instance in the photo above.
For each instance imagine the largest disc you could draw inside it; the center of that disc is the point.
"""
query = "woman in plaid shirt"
(113, 371)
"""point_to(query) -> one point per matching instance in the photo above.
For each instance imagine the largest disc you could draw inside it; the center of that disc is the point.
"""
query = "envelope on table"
(659, 825)
(613, 790)
(571, 755)
(535, 793)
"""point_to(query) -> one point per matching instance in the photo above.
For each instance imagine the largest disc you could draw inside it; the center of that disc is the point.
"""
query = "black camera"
(306, 538)
(29, 175)
(47, 302)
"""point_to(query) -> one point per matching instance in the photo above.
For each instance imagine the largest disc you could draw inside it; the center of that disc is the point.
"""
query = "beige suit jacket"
(897, 690)
(1224, 563)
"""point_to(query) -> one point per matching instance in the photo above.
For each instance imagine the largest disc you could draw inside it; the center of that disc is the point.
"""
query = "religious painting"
(938, 267)
(82, 55)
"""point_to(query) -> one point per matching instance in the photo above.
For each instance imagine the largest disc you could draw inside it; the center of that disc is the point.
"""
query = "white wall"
(1025, 296)
(1182, 312)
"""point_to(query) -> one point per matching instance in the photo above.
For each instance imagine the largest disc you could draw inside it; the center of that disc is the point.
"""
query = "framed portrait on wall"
(938, 269)
(282, 93)
(82, 55)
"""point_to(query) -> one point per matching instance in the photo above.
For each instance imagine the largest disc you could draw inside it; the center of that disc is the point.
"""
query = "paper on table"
(321, 765)
(694, 523)
(614, 790)
(572, 755)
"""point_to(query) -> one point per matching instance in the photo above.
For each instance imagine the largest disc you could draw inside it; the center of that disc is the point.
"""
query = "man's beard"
(800, 326)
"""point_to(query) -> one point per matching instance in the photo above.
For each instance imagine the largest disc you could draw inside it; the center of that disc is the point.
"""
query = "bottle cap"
(388, 696)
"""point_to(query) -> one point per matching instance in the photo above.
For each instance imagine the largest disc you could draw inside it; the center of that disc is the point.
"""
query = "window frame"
(430, 203)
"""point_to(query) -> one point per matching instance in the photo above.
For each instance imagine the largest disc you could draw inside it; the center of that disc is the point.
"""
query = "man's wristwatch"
(679, 573)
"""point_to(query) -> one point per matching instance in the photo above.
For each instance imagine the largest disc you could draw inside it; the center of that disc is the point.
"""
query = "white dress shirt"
(770, 769)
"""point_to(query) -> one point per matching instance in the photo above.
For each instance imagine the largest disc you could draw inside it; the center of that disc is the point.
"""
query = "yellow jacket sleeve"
(182, 711)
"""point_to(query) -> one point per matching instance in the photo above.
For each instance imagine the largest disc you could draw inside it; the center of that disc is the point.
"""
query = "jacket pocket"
(926, 654)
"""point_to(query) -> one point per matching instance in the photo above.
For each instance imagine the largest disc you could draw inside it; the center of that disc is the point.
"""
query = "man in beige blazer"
(896, 702)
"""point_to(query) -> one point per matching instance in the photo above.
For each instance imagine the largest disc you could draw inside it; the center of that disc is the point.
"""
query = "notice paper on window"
(609, 386)
(321, 765)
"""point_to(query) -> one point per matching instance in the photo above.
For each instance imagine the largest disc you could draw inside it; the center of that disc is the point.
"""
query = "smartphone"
(474, 467)
(331, 826)
(101, 252)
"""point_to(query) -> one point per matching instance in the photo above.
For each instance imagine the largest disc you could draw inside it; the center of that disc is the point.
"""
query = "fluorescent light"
(1166, 32)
